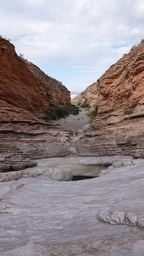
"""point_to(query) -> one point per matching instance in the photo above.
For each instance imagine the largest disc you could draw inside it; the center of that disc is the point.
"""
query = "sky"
(74, 41)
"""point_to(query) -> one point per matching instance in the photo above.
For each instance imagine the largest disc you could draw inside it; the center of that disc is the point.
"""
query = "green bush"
(93, 113)
(130, 109)
(64, 111)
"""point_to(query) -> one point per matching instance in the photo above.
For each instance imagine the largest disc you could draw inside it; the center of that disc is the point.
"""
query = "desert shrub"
(130, 109)
(84, 105)
(63, 111)
(133, 47)
(111, 110)
(95, 126)
(93, 113)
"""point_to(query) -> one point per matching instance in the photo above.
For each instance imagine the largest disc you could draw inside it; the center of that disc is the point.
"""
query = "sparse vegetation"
(93, 113)
(84, 105)
(133, 47)
(21, 55)
(142, 41)
(64, 111)
(95, 126)
(130, 109)
(111, 110)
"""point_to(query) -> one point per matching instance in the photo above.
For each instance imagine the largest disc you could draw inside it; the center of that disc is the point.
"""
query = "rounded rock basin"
(80, 167)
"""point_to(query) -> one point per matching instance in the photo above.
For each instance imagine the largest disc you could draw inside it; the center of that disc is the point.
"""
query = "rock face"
(27, 96)
(25, 91)
(23, 141)
(42, 211)
(125, 138)
(101, 216)
(119, 95)
(119, 91)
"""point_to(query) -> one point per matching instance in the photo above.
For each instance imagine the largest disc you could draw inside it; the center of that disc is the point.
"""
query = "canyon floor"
(45, 211)
(74, 122)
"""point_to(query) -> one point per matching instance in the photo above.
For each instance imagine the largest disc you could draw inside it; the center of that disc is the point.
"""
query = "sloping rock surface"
(43, 217)
(119, 96)
(119, 91)
(26, 91)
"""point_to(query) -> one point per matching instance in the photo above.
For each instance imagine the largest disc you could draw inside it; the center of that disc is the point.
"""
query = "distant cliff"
(120, 90)
(26, 91)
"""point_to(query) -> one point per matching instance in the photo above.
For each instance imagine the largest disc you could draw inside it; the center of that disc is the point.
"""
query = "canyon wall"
(26, 92)
(119, 96)
(119, 91)
(27, 98)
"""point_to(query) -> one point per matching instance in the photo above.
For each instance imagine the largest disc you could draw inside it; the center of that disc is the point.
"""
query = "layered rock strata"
(25, 137)
(125, 138)
(119, 91)
(25, 90)
(21, 142)
(27, 97)
(119, 96)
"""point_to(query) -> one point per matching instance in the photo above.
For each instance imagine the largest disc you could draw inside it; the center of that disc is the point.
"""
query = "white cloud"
(139, 8)
(73, 39)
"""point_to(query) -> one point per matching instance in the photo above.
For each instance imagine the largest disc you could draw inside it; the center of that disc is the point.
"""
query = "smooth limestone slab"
(46, 217)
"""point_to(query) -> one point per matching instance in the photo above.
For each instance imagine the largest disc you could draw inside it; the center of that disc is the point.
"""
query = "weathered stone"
(65, 168)
(44, 212)
(125, 138)
(26, 92)
(119, 91)
(121, 218)
(21, 142)
(48, 173)
(43, 217)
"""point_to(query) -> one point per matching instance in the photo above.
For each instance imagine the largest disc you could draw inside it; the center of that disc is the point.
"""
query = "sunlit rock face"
(25, 91)
(119, 97)
(119, 91)
(27, 98)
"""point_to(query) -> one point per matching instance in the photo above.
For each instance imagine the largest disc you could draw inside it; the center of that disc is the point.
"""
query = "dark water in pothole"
(79, 167)
(81, 177)
(82, 171)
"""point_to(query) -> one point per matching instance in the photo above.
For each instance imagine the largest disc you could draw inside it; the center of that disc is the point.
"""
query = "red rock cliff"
(26, 91)
(120, 91)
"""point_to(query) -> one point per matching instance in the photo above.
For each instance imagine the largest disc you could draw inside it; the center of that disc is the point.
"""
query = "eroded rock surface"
(119, 91)
(65, 168)
(27, 98)
(120, 217)
(125, 138)
(43, 217)
(23, 141)
(42, 211)
(26, 92)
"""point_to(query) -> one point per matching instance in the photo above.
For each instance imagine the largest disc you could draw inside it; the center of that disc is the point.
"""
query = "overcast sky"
(74, 41)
